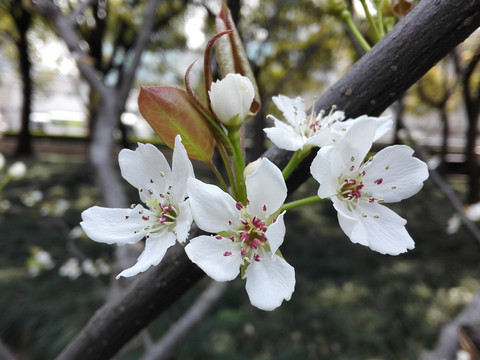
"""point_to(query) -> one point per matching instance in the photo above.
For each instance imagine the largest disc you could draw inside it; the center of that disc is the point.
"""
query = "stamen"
(256, 258)
(239, 205)
(151, 181)
(378, 181)
(218, 237)
(127, 217)
(394, 187)
(145, 218)
(264, 208)
(243, 252)
(227, 253)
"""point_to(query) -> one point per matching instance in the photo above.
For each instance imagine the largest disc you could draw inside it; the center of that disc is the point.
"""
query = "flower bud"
(250, 168)
(17, 170)
(231, 99)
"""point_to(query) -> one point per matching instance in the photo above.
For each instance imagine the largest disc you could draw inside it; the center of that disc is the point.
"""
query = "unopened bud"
(250, 168)
(231, 99)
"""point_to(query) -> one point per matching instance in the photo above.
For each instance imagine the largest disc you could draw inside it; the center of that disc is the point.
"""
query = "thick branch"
(420, 40)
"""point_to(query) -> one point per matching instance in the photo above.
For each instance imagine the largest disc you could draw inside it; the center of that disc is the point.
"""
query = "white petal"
(219, 258)
(266, 189)
(276, 233)
(183, 221)
(155, 249)
(325, 137)
(378, 227)
(269, 282)
(293, 109)
(143, 167)
(284, 136)
(182, 169)
(393, 174)
(358, 139)
(213, 209)
(110, 226)
(383, 125)
(349, 223)
(326, 167)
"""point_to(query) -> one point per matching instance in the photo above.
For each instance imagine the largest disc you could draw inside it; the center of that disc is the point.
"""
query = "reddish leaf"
(169, 112)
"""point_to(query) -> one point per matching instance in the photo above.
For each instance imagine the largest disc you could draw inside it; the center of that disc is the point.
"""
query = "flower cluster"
(244, 214)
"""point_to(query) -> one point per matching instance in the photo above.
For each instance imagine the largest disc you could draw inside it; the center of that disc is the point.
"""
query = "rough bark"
(420, 40)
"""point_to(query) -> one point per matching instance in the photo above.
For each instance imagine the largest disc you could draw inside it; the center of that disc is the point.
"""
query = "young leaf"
(169, 112)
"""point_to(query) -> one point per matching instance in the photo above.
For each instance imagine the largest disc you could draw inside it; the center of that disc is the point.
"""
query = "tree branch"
(420, 39)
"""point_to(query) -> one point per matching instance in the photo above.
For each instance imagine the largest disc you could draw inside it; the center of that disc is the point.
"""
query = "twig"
(165, 347)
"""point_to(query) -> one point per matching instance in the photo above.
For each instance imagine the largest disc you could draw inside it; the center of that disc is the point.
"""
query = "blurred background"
(70, 76)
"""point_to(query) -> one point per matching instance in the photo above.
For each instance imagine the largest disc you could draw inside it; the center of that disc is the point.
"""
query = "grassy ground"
(349, 303)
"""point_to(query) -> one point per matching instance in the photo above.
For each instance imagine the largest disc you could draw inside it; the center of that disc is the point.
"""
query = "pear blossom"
(304, 131)
(166, 217)
(248, 236)
(17, 170)
(358, 189)
(231, 99)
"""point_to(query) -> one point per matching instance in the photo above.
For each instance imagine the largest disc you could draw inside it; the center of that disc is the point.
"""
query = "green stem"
(372, 23)
(238, 163)
(381, 25)
(218, 175)
(347, 19)
(231, 178)
(301, 202)
(296, 159)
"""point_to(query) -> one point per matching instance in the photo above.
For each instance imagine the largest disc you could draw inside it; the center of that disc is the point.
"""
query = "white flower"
(302, 130)
(248, 237)
(17, 170)
(167, 216)
(357, 189)
(231, 99)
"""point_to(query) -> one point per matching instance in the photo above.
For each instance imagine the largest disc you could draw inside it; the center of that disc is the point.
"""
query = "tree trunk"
(23, 20)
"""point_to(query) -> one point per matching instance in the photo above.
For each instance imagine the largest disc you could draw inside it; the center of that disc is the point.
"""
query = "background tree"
(16, 28)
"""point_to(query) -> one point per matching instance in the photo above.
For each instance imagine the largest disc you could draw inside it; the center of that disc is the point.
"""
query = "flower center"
(250, 236)
(315, 123)
(351, 189)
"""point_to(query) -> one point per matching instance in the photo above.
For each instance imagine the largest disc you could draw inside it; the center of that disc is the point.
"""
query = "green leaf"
(169, 112)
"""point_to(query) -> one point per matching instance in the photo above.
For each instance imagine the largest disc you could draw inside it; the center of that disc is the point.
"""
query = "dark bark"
(23, 19)
(420, 40)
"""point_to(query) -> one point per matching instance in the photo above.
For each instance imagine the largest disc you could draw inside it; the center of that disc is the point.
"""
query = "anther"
(364, 215)
(387, 167)
(378, 181)
(151, 181)
(376, 216)
(394, 187)
(227, 253)
(239, 205)
(352, 159)
(218, 237)
(162, 174)
(145, 217)
(127, 217)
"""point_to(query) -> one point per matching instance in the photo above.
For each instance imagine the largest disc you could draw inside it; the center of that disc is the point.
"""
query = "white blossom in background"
(17, 170)
(39, 261)
(231, 99)
(31, 198)
(358, 189)
(248, 237)
(70, 269)
(301, 131)
(166, 217)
